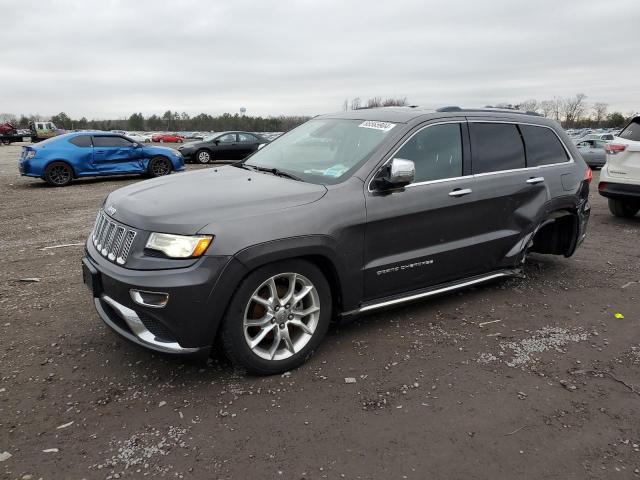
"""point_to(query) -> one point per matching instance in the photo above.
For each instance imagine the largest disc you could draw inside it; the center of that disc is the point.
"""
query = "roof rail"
(454, 108)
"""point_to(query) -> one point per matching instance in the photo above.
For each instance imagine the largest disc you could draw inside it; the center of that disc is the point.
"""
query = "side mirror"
(396, 174)
(216, 141)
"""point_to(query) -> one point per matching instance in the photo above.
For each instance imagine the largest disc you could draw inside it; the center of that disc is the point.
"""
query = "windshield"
(323, 151)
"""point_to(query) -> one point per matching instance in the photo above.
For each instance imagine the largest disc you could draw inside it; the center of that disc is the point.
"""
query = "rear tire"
(159, 167)
(624, 209)
(203, 157)
(280, 331)
(58, 174)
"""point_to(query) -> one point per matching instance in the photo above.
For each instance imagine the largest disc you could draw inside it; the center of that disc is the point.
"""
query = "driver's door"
(115, 154)
(418, 236)
(227, 147)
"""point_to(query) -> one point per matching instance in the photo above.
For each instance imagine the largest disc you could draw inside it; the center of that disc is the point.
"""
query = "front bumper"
(187, 154)
(197, 300)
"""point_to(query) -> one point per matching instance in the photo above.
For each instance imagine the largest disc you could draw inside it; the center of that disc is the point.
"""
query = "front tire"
(623, 209)
(159, 167)
(58, 174)
(203, 157)
(277, 318)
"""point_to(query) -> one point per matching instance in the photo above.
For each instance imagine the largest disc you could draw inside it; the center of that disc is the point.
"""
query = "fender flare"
(320, 249)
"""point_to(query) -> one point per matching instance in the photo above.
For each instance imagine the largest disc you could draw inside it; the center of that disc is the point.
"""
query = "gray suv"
(348, 213)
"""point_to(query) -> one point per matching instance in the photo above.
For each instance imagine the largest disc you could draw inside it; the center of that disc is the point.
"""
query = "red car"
(167, 138)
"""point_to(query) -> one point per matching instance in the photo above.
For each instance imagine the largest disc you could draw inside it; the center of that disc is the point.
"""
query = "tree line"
(169, 121)
(573, 112)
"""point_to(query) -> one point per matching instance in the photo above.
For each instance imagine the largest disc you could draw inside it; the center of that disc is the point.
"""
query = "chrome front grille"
(111, 239)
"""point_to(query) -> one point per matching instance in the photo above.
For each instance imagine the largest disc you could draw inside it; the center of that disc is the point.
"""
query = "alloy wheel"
(204, 157)
(59, 175)
(160, 168)
(281, 316)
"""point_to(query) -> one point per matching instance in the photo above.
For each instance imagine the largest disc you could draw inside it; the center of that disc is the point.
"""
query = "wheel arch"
(558, 233)
(317, 249)
(59, 160)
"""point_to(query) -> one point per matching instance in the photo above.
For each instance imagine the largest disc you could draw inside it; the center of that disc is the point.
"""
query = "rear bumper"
(619, 190)
(197, 301)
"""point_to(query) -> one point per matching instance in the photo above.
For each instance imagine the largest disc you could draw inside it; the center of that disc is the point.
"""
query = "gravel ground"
(531, 377)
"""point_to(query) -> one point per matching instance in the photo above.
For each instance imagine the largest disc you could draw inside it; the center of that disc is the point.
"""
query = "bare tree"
(355, 103)
(345, 105)
(394, 102)
(599, 112)
(573, 108)
(530, 105)
(374, 102)
(546, 108)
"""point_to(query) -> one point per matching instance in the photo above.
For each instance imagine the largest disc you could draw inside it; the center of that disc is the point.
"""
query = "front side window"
(542, 146)
(436, 152)
(496, 147)
(323, 151)
(228, 138)
(111, 142)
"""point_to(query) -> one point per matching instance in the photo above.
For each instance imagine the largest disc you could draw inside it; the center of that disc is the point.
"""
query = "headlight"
(179, 246)
(30, 154)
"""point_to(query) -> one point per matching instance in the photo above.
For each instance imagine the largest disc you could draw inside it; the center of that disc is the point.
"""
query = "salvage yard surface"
(532, 377)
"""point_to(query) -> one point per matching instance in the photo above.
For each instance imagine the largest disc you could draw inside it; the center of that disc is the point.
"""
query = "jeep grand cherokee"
(348, 213)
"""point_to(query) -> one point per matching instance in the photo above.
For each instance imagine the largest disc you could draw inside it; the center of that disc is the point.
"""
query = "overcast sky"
(108, 59)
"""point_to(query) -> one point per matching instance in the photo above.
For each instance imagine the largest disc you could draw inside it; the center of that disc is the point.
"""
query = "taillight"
(613, 148)
(588, 175)
(602, 186)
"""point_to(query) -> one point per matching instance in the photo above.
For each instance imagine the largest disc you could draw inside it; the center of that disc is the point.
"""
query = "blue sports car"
(60, 159)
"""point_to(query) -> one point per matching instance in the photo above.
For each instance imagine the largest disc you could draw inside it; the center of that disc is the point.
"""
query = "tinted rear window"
(81, 141)
(496, 147)
(632, 131)
(111, 142)
(542, 146)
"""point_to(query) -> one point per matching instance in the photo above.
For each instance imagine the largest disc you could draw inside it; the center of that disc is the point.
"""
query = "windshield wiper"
(243, 165)
(273, 171)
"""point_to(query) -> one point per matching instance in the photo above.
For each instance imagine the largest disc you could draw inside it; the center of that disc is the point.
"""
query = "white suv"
(620, 177)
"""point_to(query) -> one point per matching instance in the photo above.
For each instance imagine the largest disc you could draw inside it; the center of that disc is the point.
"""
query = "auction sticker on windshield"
(384, 126)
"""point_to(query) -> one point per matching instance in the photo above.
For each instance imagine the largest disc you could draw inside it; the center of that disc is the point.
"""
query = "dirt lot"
(524, 378)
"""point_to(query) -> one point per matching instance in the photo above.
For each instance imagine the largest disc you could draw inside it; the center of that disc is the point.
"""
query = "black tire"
(203, 156)
(232, 334)
(58, 174)
(620, 208)
(159, 167)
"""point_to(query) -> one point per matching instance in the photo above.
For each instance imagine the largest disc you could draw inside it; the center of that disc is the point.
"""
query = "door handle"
(99, 151)
(459, 192)
(534, 180)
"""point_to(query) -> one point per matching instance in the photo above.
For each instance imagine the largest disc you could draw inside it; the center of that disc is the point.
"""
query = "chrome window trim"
(497, 172)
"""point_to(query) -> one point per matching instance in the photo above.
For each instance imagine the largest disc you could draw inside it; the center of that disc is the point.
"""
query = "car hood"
(185, 203)
(193, 145)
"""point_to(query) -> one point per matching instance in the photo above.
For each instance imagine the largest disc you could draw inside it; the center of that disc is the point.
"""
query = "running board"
(435, 291)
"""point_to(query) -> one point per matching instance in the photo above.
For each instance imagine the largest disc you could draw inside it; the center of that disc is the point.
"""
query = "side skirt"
(431, 291)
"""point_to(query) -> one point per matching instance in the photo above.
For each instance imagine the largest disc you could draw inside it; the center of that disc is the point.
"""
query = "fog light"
(149, 299)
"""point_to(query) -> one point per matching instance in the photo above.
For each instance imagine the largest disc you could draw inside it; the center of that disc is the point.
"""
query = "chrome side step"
(462, 284)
